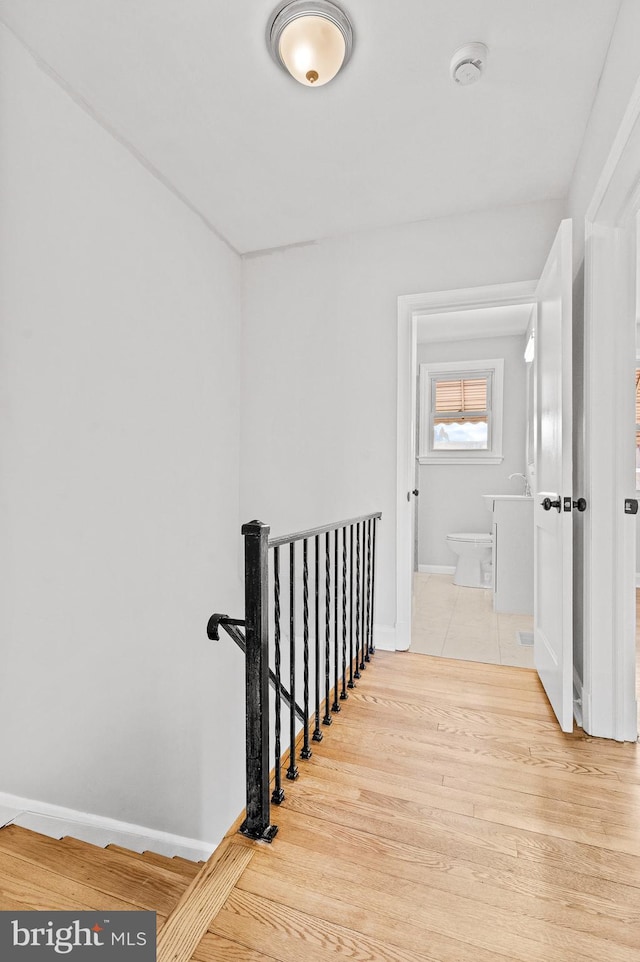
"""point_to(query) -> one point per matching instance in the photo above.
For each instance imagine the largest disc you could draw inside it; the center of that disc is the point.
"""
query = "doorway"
(552, 479)
(471, 417)
(433, 311)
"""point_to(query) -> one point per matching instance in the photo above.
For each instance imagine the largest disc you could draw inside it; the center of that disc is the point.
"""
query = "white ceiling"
(189, 84)
(509, 319)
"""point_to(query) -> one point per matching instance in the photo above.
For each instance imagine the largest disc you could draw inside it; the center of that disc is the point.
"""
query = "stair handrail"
(232, 627)
(255, 645)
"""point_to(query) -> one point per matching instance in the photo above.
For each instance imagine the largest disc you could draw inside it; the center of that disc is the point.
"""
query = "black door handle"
(548, 504)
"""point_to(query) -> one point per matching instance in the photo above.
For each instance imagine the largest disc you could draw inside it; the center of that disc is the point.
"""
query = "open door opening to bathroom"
(466, 316)
(551, 295)
(553, 500)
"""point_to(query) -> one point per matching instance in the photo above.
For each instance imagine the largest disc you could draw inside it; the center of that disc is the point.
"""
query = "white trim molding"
(57, 821)
(611, 275)
(437, 569)
(385, 637)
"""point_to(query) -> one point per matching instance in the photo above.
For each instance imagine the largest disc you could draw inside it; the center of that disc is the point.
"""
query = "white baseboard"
(637, 579)
(403, 635)
(384, 637)
(57, 821)
(390, 638)
(437, 569)
(7, 814)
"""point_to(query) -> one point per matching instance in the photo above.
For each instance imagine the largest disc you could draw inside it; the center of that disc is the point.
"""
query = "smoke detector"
(468, 62)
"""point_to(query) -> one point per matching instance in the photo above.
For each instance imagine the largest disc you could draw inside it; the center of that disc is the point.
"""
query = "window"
(460, 408)
(461, 412)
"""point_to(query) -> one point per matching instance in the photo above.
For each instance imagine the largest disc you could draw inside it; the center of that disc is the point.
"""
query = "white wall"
(319, 351)
(119, 513)
(451, 494)
(619, 77)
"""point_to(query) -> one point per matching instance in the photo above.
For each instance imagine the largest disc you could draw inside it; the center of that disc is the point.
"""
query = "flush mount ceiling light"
(310, 39)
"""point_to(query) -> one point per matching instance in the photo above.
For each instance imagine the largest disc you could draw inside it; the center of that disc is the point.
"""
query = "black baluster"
(356, 674)
(306, 751)
(292, 771)
(351, 683)
(367, 657)
(336, 660)
(363, 598)
(277, 796)
(327, 630)
(317, 734)
(343, 693)
(256, 604)
(372, 647)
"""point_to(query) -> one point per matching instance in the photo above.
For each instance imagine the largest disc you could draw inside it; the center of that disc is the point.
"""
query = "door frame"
(410, 308)
(609, 676)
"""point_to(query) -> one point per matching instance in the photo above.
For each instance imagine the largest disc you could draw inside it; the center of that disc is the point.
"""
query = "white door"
(553, 561)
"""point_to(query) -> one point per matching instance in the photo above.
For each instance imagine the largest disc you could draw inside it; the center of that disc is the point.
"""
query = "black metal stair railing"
(328, 589)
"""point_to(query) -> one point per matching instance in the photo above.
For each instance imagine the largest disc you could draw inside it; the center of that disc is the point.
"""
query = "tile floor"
(455, 622)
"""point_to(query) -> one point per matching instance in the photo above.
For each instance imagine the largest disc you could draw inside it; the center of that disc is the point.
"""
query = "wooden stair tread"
(202, 902)
(25, 885)
(173, 863)
(185, 861)
(112, 847)
(144, 885)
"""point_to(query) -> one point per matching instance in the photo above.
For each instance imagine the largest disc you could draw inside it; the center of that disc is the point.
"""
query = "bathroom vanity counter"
(512, 552)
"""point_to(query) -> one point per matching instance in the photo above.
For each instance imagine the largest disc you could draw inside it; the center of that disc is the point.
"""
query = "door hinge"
(630, 506)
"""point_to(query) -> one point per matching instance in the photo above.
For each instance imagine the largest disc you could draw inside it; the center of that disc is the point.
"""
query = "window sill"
(464, 458)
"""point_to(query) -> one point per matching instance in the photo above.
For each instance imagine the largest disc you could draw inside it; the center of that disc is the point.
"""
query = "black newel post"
(256, 824)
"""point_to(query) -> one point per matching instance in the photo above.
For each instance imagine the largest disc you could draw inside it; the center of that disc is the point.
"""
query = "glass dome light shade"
(312, 49)
(310, 39)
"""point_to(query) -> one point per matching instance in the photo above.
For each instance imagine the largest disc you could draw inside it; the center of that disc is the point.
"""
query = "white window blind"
(463, 399)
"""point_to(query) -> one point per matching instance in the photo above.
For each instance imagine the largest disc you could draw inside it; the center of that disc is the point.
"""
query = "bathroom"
(448, 619)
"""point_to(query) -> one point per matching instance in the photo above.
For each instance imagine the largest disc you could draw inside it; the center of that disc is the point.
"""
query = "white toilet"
(474, 551)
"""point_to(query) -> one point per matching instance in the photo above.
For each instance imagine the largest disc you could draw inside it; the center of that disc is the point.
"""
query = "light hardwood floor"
(447, 818)
(443, 817)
